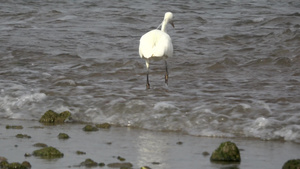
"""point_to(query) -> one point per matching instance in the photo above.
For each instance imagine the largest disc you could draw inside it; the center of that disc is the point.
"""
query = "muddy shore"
(159, 150)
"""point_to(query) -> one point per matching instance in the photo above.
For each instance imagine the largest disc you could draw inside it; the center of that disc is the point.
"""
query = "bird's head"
(169, 18)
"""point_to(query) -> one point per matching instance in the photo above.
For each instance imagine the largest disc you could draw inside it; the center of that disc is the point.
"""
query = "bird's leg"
(147, 84)
(167, 74)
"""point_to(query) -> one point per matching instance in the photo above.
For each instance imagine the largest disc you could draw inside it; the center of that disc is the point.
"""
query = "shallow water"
(235, 70)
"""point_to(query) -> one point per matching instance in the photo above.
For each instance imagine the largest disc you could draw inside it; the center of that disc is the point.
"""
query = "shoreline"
(159, 150)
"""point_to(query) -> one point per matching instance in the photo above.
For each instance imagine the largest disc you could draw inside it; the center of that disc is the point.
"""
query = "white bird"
(157, 45)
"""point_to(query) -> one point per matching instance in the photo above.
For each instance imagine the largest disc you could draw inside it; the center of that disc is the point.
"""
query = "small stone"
(89, 128)
(63, 136)
(145, 167)
(23, 136)
(103, 125)
(227, 151)
(155, 163)
(101, 164)
(14, 127)
(40, 145)
(80, 152)
(120, 165)
(121, 158)
(89, 163)
(27, 155)
(292, 164)
(205, 153)
(179, 143)
(26, 164)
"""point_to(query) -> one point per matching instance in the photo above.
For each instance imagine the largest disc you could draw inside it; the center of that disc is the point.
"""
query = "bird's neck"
(164, 26)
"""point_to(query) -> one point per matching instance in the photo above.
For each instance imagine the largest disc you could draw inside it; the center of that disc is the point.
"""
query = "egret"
(157, 45)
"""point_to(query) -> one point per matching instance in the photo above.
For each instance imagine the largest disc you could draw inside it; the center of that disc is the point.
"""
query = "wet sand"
(159, 150)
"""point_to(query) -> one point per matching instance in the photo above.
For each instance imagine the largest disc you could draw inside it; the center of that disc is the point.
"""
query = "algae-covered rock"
(23, 136)
(120, 165)
(48, 153)
(4, 164)
(101, 164)
(53, 117)
(40, 145)
(63, 136)
(121, 158)
(227, 151)
(16, 165)
(145, 167)
(80, 153)
(292, 164)
(89, 128)
(26, 164)
(14, 127)
(89, 163)
(103, 125)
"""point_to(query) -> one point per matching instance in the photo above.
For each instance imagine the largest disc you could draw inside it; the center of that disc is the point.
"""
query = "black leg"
(167, 74)
(148, 84)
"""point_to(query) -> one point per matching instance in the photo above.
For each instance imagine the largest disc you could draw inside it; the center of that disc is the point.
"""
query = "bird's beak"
(172, 23)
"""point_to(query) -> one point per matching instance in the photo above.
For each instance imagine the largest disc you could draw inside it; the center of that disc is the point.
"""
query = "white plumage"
(157, 45)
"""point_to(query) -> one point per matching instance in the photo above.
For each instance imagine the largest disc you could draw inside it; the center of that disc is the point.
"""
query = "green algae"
(121, 158)
(103, 125)
(145, 167)
(292, 164)
(52, 117)
(101, 164)
(63, 136)
(15, 165)
(40, 145)
(14, 127)
(23, 136)
(120, 165)
(227, 152)
(89, 128)
(48, 153)
(89, 163)
(80, 153)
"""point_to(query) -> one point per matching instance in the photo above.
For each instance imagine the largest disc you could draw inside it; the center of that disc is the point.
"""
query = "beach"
(157, 150)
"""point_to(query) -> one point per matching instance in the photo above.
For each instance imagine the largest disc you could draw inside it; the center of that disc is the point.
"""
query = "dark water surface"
(235, 70)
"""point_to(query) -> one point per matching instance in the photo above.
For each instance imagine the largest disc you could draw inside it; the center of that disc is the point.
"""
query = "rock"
(227, 152)
(23, 136)
(89, 163)
(292, 164)
(119, 165)
(4, 164)
(14, 127)
(145, 167)
(40, 145)
(179, 143)
(54, 118)
(101, 164)
(48, 153)
(121, 158)
(26, 164)
(2, 159)
(103, 125)
(205, 153)
(63, 136)
(90, 128)
(16, 165)
(80, 152)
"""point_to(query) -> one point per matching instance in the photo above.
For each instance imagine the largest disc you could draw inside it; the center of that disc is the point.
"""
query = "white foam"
(163, 105)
